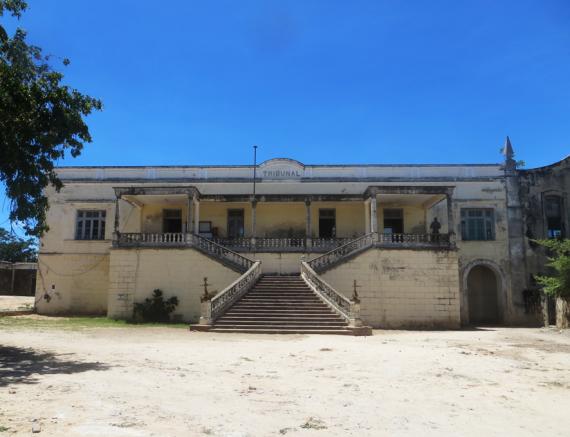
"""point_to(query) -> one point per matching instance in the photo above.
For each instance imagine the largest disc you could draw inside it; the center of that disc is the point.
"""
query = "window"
(553, 213)
(477, 224)
(172, 220)
(90, 225)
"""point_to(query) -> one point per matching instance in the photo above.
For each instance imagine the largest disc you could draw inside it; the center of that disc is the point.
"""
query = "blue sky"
(188, 82)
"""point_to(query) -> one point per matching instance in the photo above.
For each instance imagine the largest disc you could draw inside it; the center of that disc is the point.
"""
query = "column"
(367, 227)
(116, 223)
(373, 214)
(450, 224)
(308, 226)
(253, 221)
(196, 215)
(189, 227)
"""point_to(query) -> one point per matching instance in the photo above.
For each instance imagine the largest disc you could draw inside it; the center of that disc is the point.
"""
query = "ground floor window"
(90, 225)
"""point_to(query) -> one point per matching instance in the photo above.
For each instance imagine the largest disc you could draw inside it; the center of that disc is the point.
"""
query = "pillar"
(367, 227)
(373, 214)
(116, 223)
(450, 224)
(308, 225)
(189, 227)
(253, 221)
(196, 215)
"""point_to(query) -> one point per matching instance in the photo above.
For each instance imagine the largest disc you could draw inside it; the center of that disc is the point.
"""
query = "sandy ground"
(170, 382)
(16, 303)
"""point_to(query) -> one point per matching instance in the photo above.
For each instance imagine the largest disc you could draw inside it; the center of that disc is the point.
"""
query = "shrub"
(155, 308)
(558, 283)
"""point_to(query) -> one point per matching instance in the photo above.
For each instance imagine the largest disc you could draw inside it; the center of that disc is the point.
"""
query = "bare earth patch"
(16, 303)
(107, 381)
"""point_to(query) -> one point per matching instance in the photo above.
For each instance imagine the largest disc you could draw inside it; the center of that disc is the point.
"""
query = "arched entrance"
(483, 295)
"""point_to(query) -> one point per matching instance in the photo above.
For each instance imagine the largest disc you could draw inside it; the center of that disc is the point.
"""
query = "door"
(327, 223)
(171, 220)
(483, 296)
(235, 223)
(393, 221)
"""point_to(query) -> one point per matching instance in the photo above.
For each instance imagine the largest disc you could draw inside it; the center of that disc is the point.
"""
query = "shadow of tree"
(22, 366)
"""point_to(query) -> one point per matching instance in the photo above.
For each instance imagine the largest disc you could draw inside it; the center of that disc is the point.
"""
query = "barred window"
(90, 225)
(477, 224)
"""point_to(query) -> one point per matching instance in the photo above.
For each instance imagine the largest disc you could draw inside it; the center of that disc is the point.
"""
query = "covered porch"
(394, 215)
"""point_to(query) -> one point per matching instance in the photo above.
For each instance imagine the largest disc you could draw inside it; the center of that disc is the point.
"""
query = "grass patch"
(76, 323)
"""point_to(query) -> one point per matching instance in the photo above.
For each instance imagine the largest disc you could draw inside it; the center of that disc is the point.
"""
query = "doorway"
(393, 221)
(235, 223)
(483, 296)
(171, 220)
(327, 223)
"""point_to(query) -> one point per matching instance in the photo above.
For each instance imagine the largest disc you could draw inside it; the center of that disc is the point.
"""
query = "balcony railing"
(268, 244)
(413, 240)
(181, 240)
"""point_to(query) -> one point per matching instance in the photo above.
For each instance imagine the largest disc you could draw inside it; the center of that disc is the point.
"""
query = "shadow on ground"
(22, 366)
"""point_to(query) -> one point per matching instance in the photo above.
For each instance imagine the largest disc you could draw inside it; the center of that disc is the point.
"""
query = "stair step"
(281, 304)
(280, 331)
(280, 326)
(278, 323)
(271, 317)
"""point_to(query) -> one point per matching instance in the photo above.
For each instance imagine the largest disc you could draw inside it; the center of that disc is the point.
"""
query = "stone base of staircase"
(361, 331)
(282, 305)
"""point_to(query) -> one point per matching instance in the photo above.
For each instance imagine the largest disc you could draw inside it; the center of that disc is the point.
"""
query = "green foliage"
(557, 284)
(16, 249)
(155, 308)
(75, 323)
(40, 120)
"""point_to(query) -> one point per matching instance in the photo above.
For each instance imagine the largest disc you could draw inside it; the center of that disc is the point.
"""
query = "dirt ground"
(171, 382)
(16, 303)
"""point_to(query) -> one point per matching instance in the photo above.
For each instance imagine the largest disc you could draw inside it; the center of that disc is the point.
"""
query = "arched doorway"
(483, 294)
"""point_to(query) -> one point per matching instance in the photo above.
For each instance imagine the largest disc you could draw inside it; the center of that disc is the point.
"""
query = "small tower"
(508, 152)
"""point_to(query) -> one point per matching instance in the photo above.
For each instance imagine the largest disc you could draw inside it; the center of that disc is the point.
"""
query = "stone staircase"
(281, 305)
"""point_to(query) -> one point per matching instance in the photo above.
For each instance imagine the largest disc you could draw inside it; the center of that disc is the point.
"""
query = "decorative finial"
(508, 151)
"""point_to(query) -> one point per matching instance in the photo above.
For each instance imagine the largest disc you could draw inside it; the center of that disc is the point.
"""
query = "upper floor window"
(90, 225)
(477, 224)
(172, 220)
(553, 213)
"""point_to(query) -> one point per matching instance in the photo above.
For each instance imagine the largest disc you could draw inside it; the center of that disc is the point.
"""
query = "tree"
(40, 120)
(558, 283)
(17, 249)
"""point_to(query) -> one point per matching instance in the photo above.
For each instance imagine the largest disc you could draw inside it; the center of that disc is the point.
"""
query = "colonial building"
(380, 245)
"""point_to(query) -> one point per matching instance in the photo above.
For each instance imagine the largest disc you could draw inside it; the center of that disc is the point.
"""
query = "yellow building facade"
(406, 237)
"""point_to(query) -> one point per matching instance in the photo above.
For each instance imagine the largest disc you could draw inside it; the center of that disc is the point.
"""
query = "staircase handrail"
(332, 257)
(222, 252)
(216, 306)
(345, 307)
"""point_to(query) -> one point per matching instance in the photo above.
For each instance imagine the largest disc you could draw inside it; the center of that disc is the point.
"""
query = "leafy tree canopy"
(40, 120)
(17, 249)
(557, 284)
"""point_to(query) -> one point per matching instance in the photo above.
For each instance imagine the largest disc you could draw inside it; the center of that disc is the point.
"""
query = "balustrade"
(348, 309)
(221, 302)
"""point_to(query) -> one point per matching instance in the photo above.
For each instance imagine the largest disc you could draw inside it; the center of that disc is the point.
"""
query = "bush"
(558, 282)
(155, 308)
